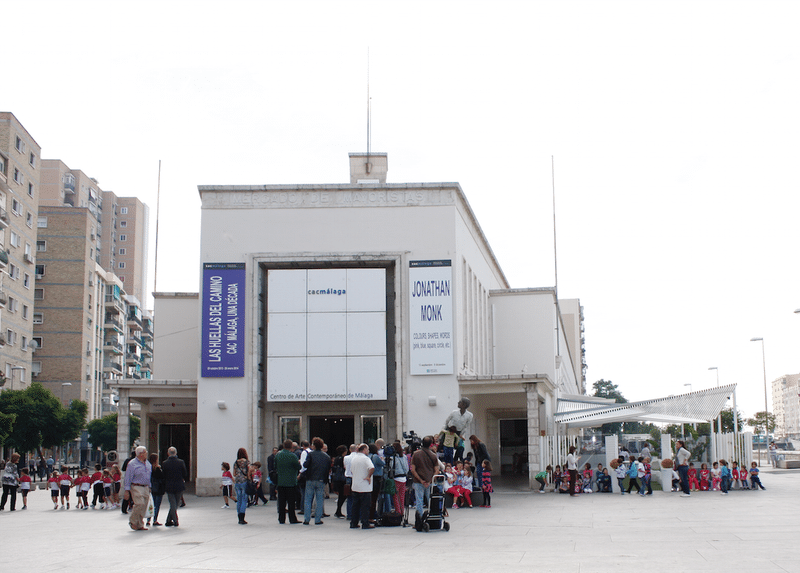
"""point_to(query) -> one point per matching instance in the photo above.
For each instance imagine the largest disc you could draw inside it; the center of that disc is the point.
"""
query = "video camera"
(413, 440)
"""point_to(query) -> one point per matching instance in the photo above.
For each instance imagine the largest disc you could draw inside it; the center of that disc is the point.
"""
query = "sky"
(665, 134)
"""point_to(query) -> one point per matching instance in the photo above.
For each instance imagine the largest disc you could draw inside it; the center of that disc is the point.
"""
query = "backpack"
(633, 471)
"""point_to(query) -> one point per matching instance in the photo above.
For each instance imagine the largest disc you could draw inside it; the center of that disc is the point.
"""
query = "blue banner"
(223, 320)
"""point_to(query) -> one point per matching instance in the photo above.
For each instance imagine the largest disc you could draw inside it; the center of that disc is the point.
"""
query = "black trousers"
(286, 502)
(360, 512)
(9, 491)
(97, 490)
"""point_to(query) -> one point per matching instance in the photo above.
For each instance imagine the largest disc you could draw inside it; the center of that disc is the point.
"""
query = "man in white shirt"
(362, 469)
(348, 478)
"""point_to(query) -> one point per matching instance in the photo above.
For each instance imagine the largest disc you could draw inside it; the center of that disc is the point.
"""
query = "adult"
(242, 473)
(175, 476)
(424, 465)
(156, 487)
(773, 454)
(375, 508)
(348, 477)
(572, 468)
(137, 487)
(338, 479)
(460, 418)
(682, 462)
(362, 469)
(645, 453)
(50, 463)
(272, 474)
(302, 453)
(287, 465)
(481, 454)
(125, 502)
(398, 470)
(318, 467)
(10, 482)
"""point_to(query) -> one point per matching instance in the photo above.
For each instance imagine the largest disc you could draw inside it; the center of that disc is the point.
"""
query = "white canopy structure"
(589, 411)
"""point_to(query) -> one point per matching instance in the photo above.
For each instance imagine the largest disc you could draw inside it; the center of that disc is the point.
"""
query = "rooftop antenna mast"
(555, 253)
(369, 120)
(158, 209)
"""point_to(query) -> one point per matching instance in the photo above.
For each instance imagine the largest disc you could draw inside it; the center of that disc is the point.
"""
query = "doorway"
(514, 446)
(334, 430)
(179, 436)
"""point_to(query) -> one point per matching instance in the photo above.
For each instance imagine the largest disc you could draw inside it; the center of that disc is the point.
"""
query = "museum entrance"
(179, 436)
(334, 430)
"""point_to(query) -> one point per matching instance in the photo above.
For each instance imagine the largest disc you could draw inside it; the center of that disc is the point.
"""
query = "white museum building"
(351, 312)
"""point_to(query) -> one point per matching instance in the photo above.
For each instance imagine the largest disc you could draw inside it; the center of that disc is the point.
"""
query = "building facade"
(20, 167)
(353, 312)
(786, 406)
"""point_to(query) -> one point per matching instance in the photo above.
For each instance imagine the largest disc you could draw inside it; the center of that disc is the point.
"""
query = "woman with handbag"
(242, 474)
(338, 480)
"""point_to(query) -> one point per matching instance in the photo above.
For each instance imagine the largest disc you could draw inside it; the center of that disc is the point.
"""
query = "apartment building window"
(123, 211)
(10, 337)
(121, 279)
(26, 280)
(13, 271)
(32, 160)
(38, 318)
(2, 166)
(36, 367)
(19, 144)
(38, 341)
(25, 311)
(18, 177)
(25, 343)
(122, 264)
(12, 304)
(38, 294)
(28, 253)
(41, 246)
(16, 207)
(123, 224)
(39, 271)
(123, 237)
(30, 189)
(122, 251)
(42, 222)
(14, 239)
(29, 220)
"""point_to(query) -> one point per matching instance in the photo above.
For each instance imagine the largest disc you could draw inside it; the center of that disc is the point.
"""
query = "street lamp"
(766, 407)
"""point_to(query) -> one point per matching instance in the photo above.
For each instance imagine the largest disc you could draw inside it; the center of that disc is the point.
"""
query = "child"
(86, 485)
(78, 485)
(116, 476)
(257, 479)
(725, 477)
(24, 486)
(694, 485)
(705, 477)
(557, 478)
(541, 477)
(755, 481)
(586, 478)
(633, 475)
(646, 476)
(449, 442)
(740, 476)
(621, 472)
(65, 483)
(604, 482)
(227, 484)
(716, 475)
(486, 486)
(676, 480)
(53, 483)
(97, 487)
(108, 484)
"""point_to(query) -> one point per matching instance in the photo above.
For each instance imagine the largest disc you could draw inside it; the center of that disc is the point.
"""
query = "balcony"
(112, 366)
(112, 347)
(2, 339)
(3, 299)
(134, 320)
(3, 259)
(112, 321)
(4, 220)
(114, 304)
(69, 186)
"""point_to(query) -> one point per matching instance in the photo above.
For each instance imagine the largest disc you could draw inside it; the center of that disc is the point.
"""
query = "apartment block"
(20, 170)
(786, 406)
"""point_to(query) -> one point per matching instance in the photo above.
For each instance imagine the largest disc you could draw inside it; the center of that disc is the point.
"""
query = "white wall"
(176, 336)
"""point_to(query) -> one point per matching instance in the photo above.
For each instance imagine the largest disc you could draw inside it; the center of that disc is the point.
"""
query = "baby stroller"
(432, 516)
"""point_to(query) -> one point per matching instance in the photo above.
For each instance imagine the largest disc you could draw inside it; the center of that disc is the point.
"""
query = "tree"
(6, 425)
(727, 420)
(103, 432)
(758, 421)
(41, 420)
(607, 389)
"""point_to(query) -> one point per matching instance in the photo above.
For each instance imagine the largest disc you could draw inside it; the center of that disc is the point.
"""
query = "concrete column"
(123, 423)
(534, 451)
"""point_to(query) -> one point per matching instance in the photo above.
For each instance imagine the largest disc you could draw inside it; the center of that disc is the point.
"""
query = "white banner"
(431, 317)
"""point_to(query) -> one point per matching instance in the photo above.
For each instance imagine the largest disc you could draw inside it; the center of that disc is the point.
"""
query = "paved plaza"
(752, 531)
